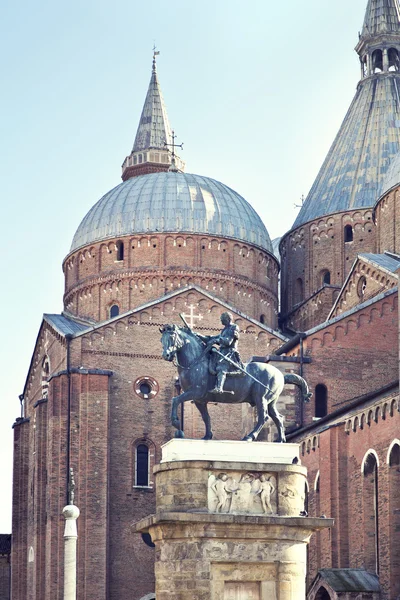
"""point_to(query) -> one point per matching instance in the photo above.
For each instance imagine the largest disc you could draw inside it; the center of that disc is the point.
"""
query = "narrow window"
(142, 465)
(120, 250)
(321, 401)
(364, 67)
(326, 278)
(361, 287)
(377, 61)
(348, 233)
(114, 311)
(298, 291)
(262, 319)
(45, 376)
(306, 499)
(394, 519)
(393, 56)
(371, 507)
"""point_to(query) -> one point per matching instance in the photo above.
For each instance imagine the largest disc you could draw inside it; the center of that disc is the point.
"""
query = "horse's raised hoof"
(179, 434)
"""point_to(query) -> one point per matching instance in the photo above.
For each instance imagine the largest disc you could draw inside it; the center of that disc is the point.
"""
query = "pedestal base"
(230, 529)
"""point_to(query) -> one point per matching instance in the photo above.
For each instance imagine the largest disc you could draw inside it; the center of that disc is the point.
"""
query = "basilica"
(164, 242)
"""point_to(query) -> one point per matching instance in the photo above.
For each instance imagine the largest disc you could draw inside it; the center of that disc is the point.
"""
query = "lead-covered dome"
(172, 202)
(392, 177)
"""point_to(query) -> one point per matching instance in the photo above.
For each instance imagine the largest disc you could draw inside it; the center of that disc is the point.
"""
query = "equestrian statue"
(211, 374)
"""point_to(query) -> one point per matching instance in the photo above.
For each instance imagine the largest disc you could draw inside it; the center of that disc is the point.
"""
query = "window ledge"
(145, 488)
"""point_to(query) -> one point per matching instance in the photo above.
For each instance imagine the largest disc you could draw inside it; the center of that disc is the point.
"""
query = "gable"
(170, 305)
(202, 311)
(370, 275)
(49, 347)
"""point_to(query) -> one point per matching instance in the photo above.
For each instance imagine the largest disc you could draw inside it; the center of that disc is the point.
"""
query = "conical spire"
(151, 149)
(154, 130)
(381, 16)
(369, 137)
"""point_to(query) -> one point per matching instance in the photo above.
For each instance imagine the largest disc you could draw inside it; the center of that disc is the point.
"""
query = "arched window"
(326, 277)
(361, 287)
(321, 401)
(120, 250)
(377, 61)
(298, 291)
(45, 376)
(114, 311)
(348, 233)
(394, 62)
(364, 69)
(394, 518)
(370, 512)
(142, 465)
(306, 499)
(263, 319)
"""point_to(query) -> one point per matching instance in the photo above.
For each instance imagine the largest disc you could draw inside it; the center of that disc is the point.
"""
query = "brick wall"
(388, 222)
(153, 265)
(335, 458)
(319, 246)
(354, 355)
(366, 281)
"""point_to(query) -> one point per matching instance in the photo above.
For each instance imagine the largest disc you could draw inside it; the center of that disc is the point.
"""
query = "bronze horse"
(191, 356)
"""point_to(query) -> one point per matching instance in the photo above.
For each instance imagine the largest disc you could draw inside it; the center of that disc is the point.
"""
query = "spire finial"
(155, 53)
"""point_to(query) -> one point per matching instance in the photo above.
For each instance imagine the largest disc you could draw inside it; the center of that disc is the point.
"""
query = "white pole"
(71, 513)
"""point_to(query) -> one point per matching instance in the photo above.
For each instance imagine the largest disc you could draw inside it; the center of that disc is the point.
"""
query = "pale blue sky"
(256, 90)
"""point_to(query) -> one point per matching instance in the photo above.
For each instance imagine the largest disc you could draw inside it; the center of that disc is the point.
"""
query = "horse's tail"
(301, 383)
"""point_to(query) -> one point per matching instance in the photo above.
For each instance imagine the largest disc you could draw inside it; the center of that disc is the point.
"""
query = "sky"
(256, 90)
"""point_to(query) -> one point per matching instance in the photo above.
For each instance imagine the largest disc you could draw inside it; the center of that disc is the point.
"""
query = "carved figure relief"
(291, 495)
(242, 493)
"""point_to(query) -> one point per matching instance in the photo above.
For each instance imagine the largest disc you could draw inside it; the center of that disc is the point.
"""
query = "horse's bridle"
(177, 345)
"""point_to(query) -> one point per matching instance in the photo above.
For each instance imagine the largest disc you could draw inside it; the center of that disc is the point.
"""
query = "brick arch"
(371, 509)
(393, 462)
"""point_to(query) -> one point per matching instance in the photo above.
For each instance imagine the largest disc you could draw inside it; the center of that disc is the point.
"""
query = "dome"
(392, 177)
(172, 202)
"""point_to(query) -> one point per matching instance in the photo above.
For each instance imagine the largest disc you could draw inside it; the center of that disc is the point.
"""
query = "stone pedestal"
(229, 523)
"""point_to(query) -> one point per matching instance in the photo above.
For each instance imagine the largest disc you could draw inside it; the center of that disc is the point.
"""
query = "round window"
(146, 387)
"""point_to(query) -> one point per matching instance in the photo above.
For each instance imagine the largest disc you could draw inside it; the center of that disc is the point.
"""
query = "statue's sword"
(232, 362)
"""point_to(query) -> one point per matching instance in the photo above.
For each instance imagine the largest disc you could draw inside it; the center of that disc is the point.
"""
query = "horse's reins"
(176, 361)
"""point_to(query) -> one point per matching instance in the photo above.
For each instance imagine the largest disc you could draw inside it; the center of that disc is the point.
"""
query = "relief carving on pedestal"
(291, 495)
(242, 493)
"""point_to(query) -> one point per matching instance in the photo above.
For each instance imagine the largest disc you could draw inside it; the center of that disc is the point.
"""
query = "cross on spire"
(192, 317)
(173, 166)
(155, 53)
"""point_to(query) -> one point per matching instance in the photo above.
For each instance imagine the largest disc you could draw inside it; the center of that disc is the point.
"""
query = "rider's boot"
(219, 388)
